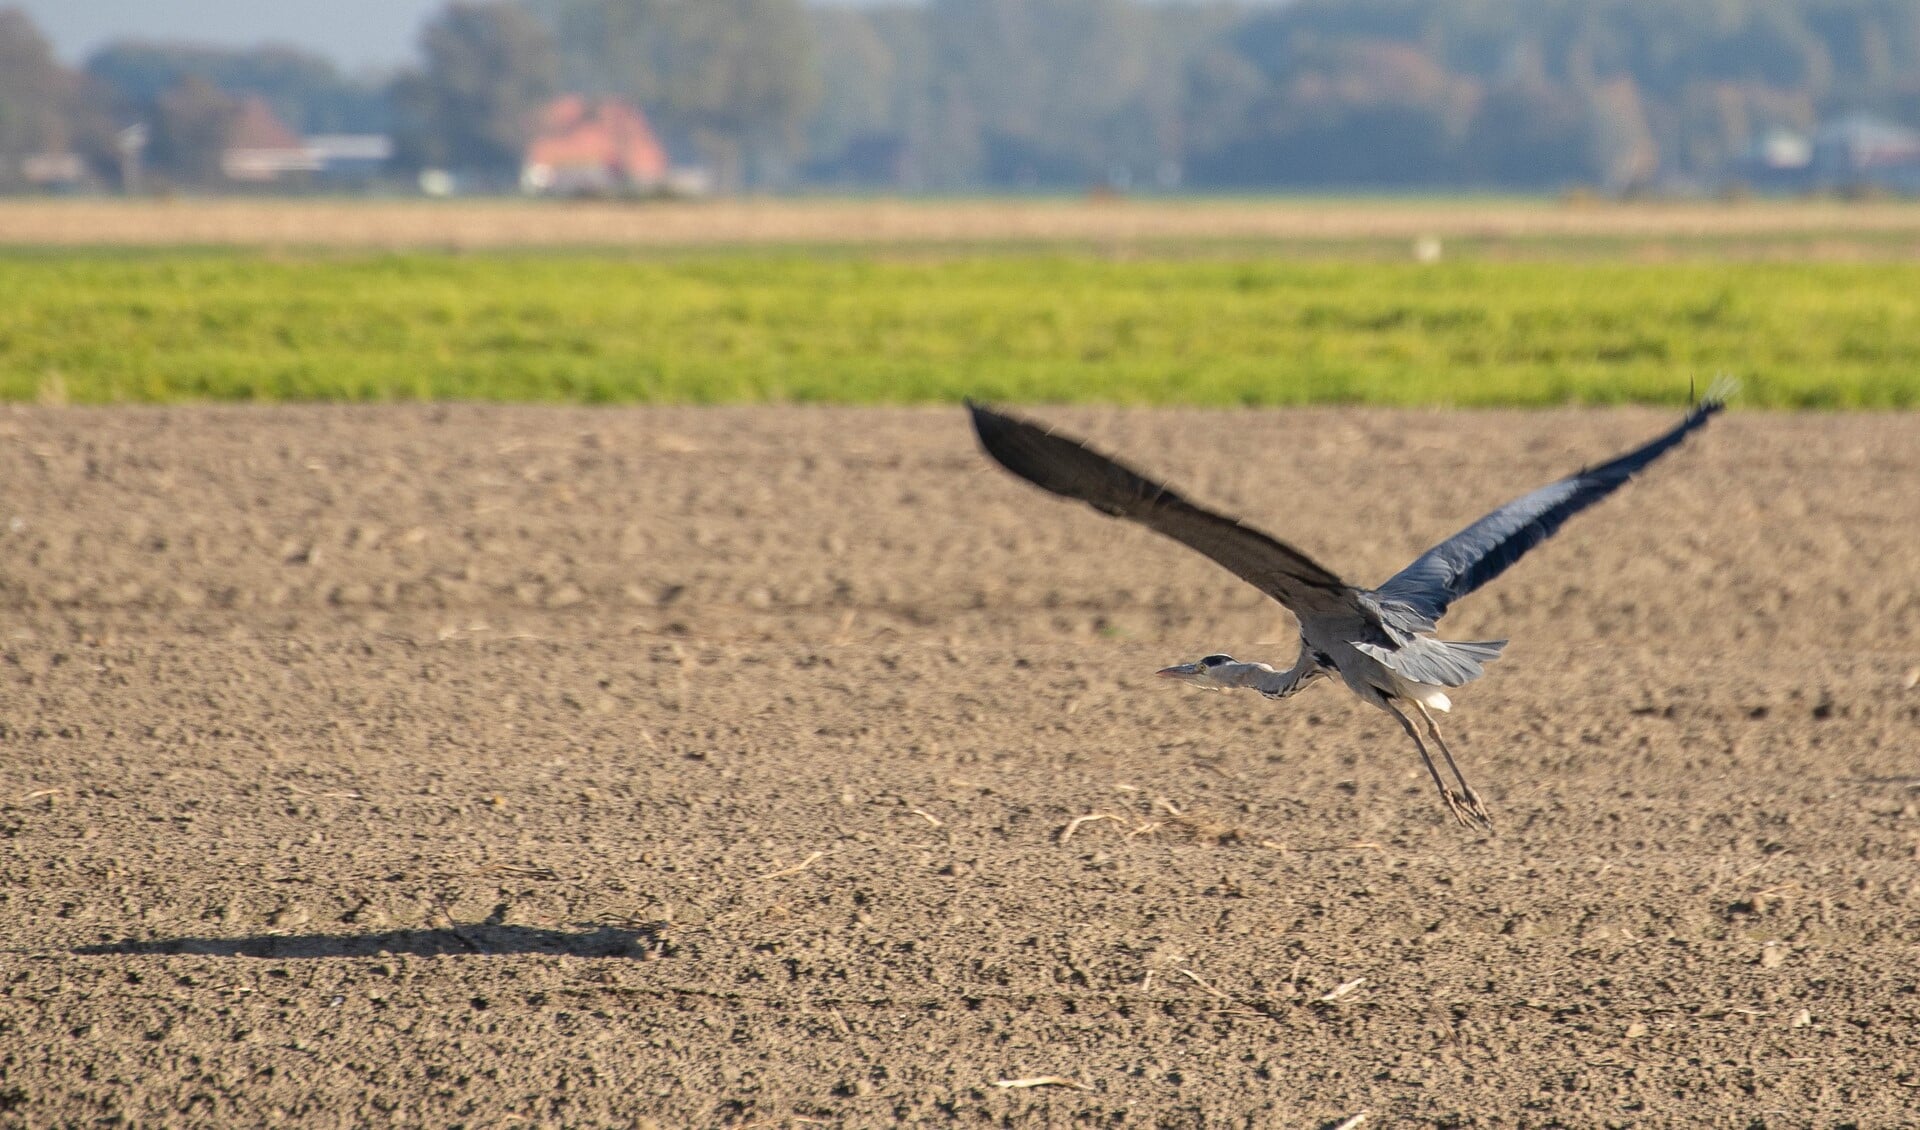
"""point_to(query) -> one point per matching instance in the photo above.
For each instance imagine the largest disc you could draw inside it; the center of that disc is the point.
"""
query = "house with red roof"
(261, 148)
(585, 146)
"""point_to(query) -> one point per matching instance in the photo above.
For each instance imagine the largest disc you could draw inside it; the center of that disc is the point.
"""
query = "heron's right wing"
(1069, 468)
(1485, 549)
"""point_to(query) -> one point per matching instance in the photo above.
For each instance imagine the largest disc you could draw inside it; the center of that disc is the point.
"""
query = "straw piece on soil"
(1073, 825)
(798, 867)
(1041, 1081)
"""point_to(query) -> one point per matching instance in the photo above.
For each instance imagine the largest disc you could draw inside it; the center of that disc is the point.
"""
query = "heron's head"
(1199, 673)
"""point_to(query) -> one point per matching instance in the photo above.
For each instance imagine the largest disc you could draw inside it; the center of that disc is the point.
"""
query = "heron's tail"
(1437, 663)
(1479, 651)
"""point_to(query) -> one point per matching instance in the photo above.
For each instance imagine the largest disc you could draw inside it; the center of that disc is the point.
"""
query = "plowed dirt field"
(506, 766)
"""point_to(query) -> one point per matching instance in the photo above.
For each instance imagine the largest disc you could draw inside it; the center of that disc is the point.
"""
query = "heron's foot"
(1469, 811)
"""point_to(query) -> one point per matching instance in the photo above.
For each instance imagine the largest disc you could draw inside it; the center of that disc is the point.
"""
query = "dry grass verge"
(1824, 228)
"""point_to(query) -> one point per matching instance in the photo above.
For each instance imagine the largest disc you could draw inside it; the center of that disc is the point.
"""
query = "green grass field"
(706, 327)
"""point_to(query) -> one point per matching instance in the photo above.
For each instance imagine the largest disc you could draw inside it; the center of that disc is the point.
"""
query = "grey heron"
(1379, 641)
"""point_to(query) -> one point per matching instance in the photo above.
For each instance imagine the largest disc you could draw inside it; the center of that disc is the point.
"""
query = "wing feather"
(1069, 468)
(1420, 594)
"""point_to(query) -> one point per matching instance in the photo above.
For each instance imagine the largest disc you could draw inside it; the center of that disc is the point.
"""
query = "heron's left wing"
(1485, 549)
(1069, 468)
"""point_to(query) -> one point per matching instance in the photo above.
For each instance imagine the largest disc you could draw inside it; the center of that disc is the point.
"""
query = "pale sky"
(354, 33)
(357, 34)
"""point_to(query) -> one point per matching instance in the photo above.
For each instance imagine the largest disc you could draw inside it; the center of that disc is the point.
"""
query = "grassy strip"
(890, 329)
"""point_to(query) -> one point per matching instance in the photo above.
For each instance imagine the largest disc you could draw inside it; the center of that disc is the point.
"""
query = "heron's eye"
(1216, 660)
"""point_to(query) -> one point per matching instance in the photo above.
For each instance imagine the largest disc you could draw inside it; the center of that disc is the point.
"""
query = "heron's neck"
(1251, 676)
(1266, 680)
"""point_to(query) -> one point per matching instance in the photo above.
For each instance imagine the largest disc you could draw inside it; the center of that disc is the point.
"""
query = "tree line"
(957, 95)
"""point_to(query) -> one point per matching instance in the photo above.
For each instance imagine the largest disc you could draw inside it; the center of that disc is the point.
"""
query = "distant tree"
(488, 69)
(1035, 93)
(1622, 89)
(742, 78)
(1224, 90)
(92, 129)
(857, 74)
(1623, 143)
(1155, 123)
(35, 94)
(191, 124)
(1062, 93)
(1530, 134)
(305, 90)
(1348, 113)
(1051, 86)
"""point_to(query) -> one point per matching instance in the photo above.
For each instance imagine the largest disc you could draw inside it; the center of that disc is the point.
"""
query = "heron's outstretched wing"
(1067, 467)
(1485, 549)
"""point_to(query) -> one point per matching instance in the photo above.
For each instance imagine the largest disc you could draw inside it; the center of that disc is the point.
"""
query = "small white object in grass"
(1041, 1081)
(1343, 990)
(1803, 1019)
(1426, 249)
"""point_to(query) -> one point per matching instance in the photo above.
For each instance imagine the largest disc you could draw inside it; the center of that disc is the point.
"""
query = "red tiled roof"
(257, 127)
(260, 147)
(603, 134)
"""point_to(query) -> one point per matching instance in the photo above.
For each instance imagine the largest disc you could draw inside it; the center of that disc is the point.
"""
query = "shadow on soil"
(599, 941)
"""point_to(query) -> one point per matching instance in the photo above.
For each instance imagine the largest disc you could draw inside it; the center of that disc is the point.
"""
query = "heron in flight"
(1379, 642)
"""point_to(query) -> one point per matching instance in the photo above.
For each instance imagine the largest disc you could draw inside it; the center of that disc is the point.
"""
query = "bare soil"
(494, 766)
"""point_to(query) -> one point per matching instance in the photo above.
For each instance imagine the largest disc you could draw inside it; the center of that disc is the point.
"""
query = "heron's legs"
(1474, 805)
(1463, 810)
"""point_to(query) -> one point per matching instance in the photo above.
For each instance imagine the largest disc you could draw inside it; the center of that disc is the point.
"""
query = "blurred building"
(351, 156)
(594, 146)
(262, 149)
(1780, 160)
(873, 160)
(1856, 153)
(1860, 151)
(53, 171)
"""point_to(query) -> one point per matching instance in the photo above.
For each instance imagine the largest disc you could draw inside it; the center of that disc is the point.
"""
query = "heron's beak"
(1182, 671)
